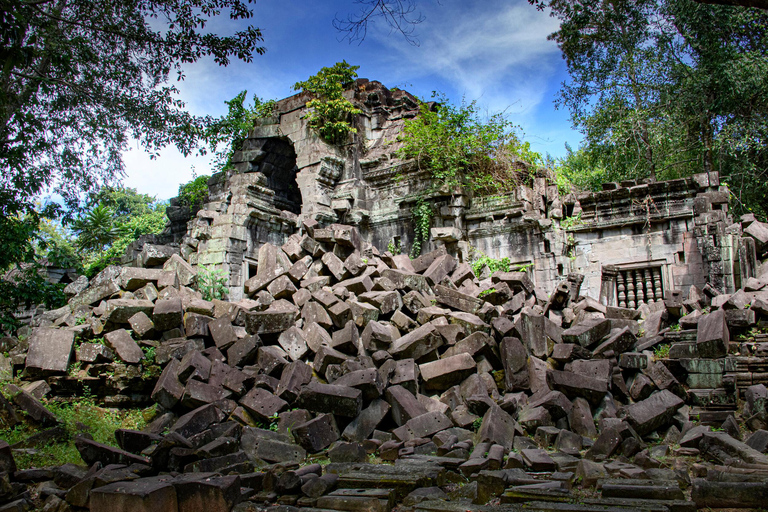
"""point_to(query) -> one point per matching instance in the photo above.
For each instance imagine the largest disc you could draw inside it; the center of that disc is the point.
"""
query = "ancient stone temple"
(631, 241)
(620, 369)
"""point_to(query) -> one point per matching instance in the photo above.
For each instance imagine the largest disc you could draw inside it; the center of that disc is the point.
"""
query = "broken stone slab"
(417, 343)
(515, 361)
(197, 393)
(262, 405)
(277, 318)
(517, 281)
(222, 332)
(712, 336)
(96, 292)
(207, 491)
(721, 446)
(441, 374)
(367, 421)
(404, 404)
(167, 314)
(197, 420)
(168, 390)
(133, 278)
(316, 434)
(406, 281)
(368, 381)
(641, 489)
(50, 349)
(93, 452)
(32, 406)
(497, 427)
(119, 311)
(121, 342)
(143, 495)
(538, 333)
(272, 450)
(332, 399)
(575, 385)
(653, 412)
(588, 332)
(293, 342)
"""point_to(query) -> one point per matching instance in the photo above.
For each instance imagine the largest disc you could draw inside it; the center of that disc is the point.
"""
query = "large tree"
(80, 77)
(668, 88)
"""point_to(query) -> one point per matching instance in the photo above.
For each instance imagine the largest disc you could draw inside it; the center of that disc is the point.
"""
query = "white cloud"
(496, 51)
(161, 177)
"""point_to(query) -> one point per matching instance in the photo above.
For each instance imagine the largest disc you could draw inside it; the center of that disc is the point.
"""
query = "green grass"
(100, 422)
(661, 351)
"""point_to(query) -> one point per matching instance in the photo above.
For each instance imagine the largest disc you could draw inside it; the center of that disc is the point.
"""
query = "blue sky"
(492, 51)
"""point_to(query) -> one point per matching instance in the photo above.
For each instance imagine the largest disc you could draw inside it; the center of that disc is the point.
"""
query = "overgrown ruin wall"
(631, 241)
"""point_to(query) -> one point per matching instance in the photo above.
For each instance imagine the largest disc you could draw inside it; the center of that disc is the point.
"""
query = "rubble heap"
(425, 386)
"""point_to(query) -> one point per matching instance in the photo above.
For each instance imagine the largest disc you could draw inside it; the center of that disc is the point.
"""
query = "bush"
(461, 149)
(152, 223)
(193, 194)
(212, 283)
(330, 111)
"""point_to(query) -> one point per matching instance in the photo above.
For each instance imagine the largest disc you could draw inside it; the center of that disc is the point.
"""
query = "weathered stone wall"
(631, 241)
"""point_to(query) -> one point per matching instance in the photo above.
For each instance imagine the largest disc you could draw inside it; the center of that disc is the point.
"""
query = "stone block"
(587, 333)
(317, 433)
(143, 495)
(168, 390)
(441, 374)
(262, 405)
(574, 385)
(121, 342)
(222, 332)
(404, 404)
(654, 412)
(368, 381)
(50, 349)
(332, 399)
(367, 421)
(167, 314)
(416, 343)
(712, 336)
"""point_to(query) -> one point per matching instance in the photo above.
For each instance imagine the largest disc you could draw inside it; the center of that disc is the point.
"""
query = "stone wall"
(632, 241)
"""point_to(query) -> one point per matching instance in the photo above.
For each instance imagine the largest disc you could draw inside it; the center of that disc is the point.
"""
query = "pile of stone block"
(465, 391)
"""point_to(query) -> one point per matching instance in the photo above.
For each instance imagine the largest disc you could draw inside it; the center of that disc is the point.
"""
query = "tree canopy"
(664, 89)
(82, 76)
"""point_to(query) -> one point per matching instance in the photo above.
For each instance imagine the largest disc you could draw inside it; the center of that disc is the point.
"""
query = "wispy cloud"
(495, 50)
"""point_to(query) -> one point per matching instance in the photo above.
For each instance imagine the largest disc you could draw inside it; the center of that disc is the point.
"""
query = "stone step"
(362, 500)
(518, 495)
(640, 489)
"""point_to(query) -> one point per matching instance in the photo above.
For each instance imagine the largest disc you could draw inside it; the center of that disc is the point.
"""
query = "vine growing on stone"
(422, 222)
(329, 111)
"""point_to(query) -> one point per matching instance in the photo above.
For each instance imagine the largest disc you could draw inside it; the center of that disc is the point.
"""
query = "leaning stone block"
(121, 342)
(50, 349)
(654, 412)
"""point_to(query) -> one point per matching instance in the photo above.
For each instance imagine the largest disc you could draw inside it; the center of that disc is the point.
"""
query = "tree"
(82, 76)
(664, 89)
(329, 110)
(226, 134)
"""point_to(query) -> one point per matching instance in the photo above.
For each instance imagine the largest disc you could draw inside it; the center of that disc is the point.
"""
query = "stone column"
(608, 285)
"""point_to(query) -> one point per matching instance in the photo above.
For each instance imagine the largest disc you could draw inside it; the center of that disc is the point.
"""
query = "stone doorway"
(278, 164)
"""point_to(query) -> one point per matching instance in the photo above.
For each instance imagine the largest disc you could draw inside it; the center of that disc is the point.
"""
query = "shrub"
(330, 111)
(211, 282)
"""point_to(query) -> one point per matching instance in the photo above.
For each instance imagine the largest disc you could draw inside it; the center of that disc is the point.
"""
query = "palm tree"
(96, 229)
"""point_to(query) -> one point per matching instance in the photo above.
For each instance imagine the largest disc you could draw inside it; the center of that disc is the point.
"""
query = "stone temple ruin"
(632, 242)
(624, 369)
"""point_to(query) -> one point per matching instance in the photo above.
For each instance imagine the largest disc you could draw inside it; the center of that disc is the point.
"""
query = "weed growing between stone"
(79, 415)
